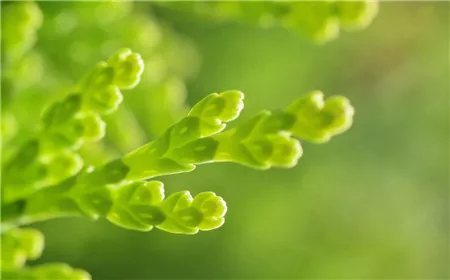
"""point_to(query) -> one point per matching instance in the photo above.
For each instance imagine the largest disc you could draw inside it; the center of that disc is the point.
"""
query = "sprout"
(317, 120)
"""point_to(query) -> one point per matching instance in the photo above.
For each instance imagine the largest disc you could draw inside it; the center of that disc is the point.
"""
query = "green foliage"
(321, 21)
(19, 245)
(141, 205)
(262, 142)
(68, 124)
(116, 191)
(110, 25)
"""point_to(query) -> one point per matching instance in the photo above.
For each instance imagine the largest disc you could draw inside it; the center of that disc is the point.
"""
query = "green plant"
(47, 177)
(119, 190)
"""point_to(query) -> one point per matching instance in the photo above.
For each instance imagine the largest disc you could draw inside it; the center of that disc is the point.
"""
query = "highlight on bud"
(63, 165)
(216, 109)
(285, 150)
(93, 127)
(231, 104)
(212, 207)
(262, 142)
(128, 68)
(317, 120)
(102, 85)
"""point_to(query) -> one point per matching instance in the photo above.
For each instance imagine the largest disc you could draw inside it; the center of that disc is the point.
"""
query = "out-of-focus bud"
(317, 120)
(93, 127)
(58, 271)
(355, 15)
(63, 165)
(128, 67)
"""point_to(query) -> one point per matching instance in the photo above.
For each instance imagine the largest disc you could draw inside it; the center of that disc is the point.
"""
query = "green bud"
(31, 242)
(147, 214)
(337, 114)
(12, 255)
(179, 219)
(128, 67)
(147, 193)
(18, 245)
(69, 135)
(261, 142)
(216, 109)
(93, 127)
(176, 202)
(285, 150)
(276, 122)
(94, 202)
(133, 207)
(318, 120)
(28, 13)
(58, 271)
(182, 145)
(104, 100)
(230, 104)
(355, 15)
(189, 217)
(63, 165)
(313, 19)
(210, 204)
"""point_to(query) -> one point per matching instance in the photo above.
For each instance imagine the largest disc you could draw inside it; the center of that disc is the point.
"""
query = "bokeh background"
(372, 203)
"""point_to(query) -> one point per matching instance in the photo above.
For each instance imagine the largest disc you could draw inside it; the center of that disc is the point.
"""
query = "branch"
(67, 124)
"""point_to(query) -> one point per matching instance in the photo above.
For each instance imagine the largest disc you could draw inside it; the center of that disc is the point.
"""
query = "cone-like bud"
(355, 15)
(128, 67)
(317, 120)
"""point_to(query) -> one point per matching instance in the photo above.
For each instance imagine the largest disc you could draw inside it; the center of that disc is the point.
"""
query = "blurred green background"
(372, 203)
